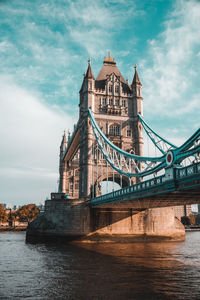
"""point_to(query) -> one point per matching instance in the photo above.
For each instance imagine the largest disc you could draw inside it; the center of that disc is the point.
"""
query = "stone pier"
(68, 219)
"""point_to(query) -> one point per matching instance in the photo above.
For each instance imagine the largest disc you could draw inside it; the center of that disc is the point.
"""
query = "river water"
(161, 270)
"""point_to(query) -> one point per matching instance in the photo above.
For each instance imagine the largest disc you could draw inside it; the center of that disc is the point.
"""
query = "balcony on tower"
(113, 106)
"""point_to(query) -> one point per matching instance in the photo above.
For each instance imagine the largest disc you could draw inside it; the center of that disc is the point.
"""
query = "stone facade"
(115, 104)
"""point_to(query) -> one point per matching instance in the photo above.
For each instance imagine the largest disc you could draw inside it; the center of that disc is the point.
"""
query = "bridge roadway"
(177, 187)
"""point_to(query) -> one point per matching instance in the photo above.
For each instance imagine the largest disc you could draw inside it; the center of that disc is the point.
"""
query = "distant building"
(7, 206)
(10, 206)
(182, 211)
(195, 210)
(41, 207)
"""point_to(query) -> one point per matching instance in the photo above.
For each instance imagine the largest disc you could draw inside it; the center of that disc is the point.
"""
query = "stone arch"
(117, 179)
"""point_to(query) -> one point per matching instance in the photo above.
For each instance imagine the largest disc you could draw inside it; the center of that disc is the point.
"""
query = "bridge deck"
(182, 187)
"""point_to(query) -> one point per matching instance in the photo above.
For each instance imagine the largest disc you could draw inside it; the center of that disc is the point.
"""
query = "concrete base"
(73, 219)
(154, 223)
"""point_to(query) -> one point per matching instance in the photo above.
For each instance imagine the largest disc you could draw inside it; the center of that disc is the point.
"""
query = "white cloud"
(91, 21)
(93, 40)
(31, 133)
(172, 80)
(91, 13)
(94, 25)
(5, 46)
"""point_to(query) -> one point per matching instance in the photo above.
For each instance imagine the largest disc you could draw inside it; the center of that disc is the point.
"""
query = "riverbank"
(192, 228)
(13, 228)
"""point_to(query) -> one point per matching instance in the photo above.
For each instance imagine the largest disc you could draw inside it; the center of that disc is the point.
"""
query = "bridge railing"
(157, 181)
(188, 171)
(150, 184)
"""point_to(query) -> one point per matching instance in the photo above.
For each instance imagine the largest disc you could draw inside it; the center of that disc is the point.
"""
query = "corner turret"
(63, 144)
(138, 109)
(89, 77)
(63, 147)
(87, 90)
(136, 84)
(89, 74)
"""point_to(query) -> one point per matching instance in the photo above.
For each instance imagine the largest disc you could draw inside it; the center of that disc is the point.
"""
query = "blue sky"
(44, 48)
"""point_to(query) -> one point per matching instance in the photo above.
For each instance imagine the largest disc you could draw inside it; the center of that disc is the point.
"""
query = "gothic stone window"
(128, 132)
(123, 102)
(117, 89)
(117, 102)
(110, 88)
(104, 101)
(111, 101)
(114, 129)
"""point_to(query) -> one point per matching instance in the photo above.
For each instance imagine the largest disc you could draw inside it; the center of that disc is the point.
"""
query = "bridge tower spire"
(63, 147)
(138, 109)
(87, 100)
(89, 73)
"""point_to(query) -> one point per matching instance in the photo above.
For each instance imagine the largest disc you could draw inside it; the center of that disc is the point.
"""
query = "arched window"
(123, 102)
(114, 129)
(111, 101)
(117, 102)
(110, 88)
(104, 102)
(128, 131)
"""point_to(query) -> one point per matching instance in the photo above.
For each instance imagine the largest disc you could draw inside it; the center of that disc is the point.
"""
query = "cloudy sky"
(44, 48)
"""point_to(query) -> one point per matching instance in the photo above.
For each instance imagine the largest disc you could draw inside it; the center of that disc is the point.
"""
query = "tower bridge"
(107, 145)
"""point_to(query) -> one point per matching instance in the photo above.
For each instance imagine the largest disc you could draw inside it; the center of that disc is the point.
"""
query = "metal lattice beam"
(133, 165)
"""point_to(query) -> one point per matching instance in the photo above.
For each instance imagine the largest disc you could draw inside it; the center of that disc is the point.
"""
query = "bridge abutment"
(150, 223)
(73, 219)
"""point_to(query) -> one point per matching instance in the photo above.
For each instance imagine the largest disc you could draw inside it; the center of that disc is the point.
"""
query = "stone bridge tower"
(115, 104)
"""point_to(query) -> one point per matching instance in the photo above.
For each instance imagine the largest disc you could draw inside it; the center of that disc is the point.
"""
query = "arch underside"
(123, 181)
(117, 179)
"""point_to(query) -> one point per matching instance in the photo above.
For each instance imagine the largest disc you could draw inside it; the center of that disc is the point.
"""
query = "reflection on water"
(99, 271)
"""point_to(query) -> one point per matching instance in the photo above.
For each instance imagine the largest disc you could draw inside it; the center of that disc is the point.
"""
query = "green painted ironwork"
(155, 186)
(151, 133)
(120, 159)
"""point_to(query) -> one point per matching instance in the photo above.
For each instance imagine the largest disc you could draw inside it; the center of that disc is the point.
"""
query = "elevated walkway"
(176, 187)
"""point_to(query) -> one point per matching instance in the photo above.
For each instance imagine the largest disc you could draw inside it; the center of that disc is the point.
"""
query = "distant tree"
(27, 213)
(13, 217)
(9, 218)
(3, 215)
(192, 219)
